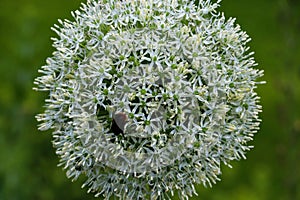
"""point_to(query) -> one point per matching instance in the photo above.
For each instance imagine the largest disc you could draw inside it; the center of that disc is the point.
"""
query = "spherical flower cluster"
(149, 97)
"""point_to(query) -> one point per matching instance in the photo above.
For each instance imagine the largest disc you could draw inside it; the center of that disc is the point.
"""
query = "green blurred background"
(28, 162)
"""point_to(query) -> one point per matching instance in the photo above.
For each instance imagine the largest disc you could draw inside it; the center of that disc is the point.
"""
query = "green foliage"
(28, 164)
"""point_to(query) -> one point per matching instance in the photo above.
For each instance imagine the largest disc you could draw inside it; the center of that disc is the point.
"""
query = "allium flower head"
(149, 97)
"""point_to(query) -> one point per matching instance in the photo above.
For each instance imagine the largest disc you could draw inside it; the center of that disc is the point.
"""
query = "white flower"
(149, 97)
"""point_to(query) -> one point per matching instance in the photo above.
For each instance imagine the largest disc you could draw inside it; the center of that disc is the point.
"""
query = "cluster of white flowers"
(149, 97)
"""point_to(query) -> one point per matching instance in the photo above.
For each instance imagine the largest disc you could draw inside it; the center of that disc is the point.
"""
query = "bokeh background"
(28, 162)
